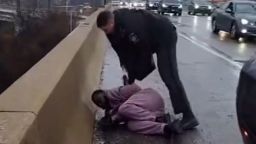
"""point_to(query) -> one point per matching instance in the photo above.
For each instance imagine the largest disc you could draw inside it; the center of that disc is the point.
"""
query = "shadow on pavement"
(121, 135)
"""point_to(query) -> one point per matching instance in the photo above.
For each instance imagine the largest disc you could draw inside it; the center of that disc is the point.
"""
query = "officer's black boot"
(189, 121)
(174, 127)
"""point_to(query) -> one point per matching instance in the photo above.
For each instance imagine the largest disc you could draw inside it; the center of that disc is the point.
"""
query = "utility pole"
(67, 4)
(19, 19)
(38, 4)
(49, 5)
(18, 10)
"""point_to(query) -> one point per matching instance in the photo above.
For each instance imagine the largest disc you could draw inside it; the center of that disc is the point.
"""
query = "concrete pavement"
(210, 81)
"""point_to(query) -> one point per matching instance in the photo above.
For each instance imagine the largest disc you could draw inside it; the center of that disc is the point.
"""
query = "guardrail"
(50, 104)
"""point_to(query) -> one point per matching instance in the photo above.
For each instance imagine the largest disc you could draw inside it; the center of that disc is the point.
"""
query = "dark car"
(200, 6)
(246, 102)
(152, 4)
(236, 17)
(170, 6)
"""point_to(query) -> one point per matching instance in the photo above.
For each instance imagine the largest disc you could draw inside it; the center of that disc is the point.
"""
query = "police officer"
(136, 35)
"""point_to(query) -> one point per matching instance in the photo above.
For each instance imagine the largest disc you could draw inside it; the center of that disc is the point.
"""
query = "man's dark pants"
(168, 69)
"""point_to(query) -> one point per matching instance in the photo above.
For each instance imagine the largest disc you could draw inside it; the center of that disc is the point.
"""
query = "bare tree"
(49, 4)
(18, 7)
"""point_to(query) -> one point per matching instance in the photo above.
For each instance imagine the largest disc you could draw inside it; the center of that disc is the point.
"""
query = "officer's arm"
(133, 24)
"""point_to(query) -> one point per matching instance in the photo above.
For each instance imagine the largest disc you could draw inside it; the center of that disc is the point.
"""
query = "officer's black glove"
(131, 80)
(125, 80)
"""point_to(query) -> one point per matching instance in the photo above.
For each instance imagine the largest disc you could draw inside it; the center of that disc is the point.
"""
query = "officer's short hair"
(103, 18)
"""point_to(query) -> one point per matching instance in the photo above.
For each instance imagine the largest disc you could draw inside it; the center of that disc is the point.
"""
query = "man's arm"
(119, 95)
(110, 120)
(128, 90)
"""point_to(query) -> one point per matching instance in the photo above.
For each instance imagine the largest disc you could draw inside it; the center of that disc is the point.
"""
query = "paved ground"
(210, 77)
(199, 28)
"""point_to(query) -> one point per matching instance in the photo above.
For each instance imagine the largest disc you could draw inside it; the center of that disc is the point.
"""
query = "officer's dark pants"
(168, 69)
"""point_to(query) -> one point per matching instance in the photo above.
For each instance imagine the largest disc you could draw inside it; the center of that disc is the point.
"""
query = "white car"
(124, 3)
(138, 4)
(115, 2)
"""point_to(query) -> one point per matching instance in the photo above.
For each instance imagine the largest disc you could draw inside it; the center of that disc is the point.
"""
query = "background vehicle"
(170, 6)
(152, 4)
(138, 3)
(200, 6)
(236, 17)
(124, 3)
(218, 5)
(115, 2)
(246, 102)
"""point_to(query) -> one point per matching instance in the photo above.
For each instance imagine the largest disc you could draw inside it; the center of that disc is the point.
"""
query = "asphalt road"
(209, 67)
(199, 28)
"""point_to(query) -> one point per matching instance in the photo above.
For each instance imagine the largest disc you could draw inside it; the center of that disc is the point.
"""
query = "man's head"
(100, 99)
(106, 21)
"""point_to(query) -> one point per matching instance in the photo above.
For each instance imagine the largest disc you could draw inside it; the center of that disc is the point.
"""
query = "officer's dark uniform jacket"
(137, 35)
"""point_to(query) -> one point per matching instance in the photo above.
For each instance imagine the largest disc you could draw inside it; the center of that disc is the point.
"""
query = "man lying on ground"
(141, 109)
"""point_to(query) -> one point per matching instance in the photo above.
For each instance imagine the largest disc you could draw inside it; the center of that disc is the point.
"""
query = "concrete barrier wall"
(50, 104)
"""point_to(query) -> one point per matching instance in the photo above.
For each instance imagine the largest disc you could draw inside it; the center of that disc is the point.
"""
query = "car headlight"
(135, 4)
(81, 11)
(180, 6)
(196, 6)
(209, 7)
(164, 5)
(252, 24)
(150, 4)
(244, 30)
(244, 21)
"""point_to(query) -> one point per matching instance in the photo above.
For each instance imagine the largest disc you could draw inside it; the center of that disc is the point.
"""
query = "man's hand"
(106, 123)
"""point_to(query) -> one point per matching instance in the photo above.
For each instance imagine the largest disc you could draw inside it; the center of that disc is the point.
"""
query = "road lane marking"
(210, 50)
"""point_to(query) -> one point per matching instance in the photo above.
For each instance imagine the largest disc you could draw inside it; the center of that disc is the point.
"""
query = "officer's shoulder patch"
(133, 38)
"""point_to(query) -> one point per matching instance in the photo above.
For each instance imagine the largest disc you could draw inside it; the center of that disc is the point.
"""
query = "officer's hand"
(125, 80)
(131, 81)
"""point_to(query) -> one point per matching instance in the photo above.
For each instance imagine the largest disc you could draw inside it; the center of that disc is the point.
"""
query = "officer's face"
(109, 28)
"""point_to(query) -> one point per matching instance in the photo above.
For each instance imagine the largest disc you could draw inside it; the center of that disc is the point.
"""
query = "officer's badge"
(133, 38)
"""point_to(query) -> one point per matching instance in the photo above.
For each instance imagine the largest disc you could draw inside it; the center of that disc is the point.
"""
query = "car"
(138, 3)
(152, 4)
(170, 6)
(246, 102)
(236, 17)
(199, 6)
(124, 3)
(115, 2)
(217, 5)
